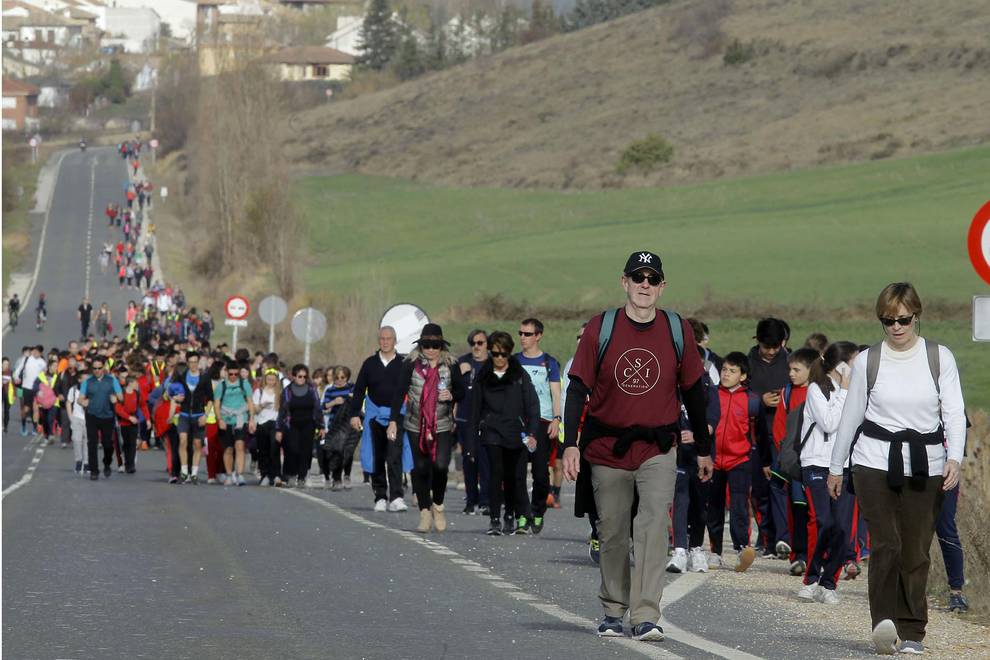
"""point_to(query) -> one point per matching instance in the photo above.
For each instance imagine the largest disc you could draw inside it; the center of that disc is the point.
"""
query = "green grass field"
(821, 239)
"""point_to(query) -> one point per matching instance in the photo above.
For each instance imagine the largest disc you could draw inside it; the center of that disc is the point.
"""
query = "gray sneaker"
(885, 638)
(907, 646)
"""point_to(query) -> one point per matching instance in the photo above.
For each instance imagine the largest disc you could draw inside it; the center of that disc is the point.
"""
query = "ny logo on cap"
(645, 258)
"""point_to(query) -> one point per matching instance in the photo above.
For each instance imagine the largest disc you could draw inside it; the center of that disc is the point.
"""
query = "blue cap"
(176, 389)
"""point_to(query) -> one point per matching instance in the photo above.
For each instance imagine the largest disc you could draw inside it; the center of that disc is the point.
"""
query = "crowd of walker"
(833, 457)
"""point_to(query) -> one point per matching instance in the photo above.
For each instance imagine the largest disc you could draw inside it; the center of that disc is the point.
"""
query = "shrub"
(738, 53)
(645, 155)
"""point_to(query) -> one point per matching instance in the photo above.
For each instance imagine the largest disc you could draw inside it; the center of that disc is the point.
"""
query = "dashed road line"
(26, 479)
(89, 227)
(680, 588)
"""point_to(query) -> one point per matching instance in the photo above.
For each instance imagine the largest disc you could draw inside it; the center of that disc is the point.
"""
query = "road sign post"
(34, 149)
(237, 309)
(272, 311)
(308, 325)
(153, 143)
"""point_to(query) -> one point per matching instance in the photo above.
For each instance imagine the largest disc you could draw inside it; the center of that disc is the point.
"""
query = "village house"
(306, 63)
(20, 106)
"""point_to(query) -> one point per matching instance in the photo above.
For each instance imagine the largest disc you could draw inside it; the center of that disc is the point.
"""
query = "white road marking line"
(26, 479)
(680, 588)
(89, 226)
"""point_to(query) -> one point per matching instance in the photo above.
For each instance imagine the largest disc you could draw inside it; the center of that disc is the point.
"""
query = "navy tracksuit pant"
(948, 539)
(830, 528)
(738, 481)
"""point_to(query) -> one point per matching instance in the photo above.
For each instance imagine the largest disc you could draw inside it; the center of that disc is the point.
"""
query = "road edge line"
(26, 479)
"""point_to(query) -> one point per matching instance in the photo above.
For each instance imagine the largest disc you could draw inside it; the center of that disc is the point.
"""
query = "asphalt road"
(131, 567)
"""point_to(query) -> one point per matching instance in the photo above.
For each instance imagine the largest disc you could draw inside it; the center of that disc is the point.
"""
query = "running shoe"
(494, 528)
(556, 501)
(397, 505)
(78, 469)
(783, 550)
(508, 526)
(94, 477)
(335, 486)
(647, 632)
(380, 505)
(678, 561)
(229, 480)
(537, 525)
(714, 561)
(120, 469)
(301, 483)
(264, 481)
(595, 551)
(173, 480)
(746, 557)
(347, 482)
(484, 510)
(210, 481)
(469, 510)
(698, 560)
(611, 626)
(194, 479)
(184, 478)
(907, 646)
(240, 480)
(885, 638)
(827, 596)
(281, 484)
(798, 567)
(958, 603)
(522, 526)
(809, 592)
(107, 472)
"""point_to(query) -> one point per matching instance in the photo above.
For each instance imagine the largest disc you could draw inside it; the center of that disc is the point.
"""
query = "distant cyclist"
(41, 312)
(13, 310)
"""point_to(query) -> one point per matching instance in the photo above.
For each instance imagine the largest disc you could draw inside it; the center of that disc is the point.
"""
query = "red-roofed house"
(20, 105)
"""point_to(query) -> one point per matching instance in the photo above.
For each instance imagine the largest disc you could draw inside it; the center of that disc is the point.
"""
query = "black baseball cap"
(644, 260)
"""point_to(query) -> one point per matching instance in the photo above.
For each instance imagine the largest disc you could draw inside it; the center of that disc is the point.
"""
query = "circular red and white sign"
(637, 371)
(153, 143)
(237, 307)
(33, 142)
(979, 242)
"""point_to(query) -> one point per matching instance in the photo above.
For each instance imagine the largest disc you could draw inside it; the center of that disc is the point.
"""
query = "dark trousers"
(797, 521)
(429, 475)
(84, 329)
(760, 497)
(902, 524)
(738, 482)
(298, 443)
(99, 431)
(862, 535)
(830, 528)
(540, 460)
(323, 459)
(128, 436)
(504, 469)
(387, 475)
(6, 411)
(475, 472)
(690, 499)
(779, 495)
(948, 540)
(65, 427)
(269, 451)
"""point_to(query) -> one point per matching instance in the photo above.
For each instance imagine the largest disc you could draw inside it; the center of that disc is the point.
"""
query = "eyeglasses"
(499, 354)
(431, 344)
(480, 342)
(638, 278)
(523, 333)
(903, 321)
(301, 376)
(578, 337)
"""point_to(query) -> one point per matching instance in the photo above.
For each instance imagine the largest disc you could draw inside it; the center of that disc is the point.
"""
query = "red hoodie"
(797, 396)
(128, 407)
(739, 421)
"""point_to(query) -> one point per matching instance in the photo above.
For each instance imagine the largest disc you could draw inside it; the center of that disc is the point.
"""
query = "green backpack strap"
(677, 332)
(605, 334)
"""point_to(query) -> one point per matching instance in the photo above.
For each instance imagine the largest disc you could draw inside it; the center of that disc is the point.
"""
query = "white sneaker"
(714, 561)
(381, 506)
(809, 592)
(326, 483)
(120, 469)
(827, 596)
(398, 504)
(229, 481)
(678, 562)
(885, 638)
(698, 560)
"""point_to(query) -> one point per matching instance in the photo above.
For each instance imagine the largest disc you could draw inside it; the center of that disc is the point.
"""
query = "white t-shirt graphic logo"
(637, 371)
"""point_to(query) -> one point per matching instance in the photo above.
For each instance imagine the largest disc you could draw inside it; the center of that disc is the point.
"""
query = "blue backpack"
(608, 324)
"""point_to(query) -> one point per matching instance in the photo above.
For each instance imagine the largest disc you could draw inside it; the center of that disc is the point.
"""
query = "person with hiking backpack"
(830, 521)
(45, 406)
(904, 425)
(233, 396)
(633, 364)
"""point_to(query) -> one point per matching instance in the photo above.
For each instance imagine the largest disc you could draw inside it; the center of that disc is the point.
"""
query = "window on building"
(320, 71)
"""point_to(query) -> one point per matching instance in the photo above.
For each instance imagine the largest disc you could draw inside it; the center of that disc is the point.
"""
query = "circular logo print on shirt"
(637, 371)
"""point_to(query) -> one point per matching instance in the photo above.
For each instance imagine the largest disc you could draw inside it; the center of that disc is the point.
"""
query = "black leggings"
(429, 475)
(128, 436)
(504, 464)
(269, 451)
(298, 443)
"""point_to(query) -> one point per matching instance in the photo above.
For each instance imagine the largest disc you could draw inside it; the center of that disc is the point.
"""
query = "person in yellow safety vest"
(9, 396)
(132, 332)
(46, 404)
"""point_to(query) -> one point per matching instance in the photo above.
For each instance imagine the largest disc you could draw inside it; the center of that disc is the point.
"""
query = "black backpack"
(789, 457)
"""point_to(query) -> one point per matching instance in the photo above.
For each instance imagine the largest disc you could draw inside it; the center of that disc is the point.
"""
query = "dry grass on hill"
(826, 81)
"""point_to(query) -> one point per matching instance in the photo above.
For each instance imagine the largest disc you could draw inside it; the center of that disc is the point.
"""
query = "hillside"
(829, 81)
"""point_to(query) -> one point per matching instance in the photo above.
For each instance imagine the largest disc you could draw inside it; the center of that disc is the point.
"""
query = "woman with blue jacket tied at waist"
(429, 384)
(905, 425)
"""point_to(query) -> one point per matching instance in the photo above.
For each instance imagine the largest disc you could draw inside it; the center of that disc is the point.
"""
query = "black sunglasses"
(904, 321)
(638, 278)
(480, 342)
(431, 344)
(499, 354)
(523, 333)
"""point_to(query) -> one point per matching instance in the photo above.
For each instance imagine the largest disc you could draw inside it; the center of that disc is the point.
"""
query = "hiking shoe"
(347, 482)
(647, 632)
(809, 592)
(484, 510)
(522, 526)
(958, 603)
(210, 481)
(885, 638)
(78, 469)
(425, 521)
(508, 526)
(798, 567)
(397, 505)
(714, 561)
(850, 571)
(107, 472)
(827, 596)
(229, 480)
(537, 525)
(194, 479)
(783, 549)
(678, 562)
(183, 478)
(241, 481)
(439, 518)
(595, 551)
(264, 481)
(907, 646)
(173, 480)
(494, 528)
(469, 510)
(611, 626)
(335, 486)
(381, 505)
(120, 469)
(746, 557)
(698, 560)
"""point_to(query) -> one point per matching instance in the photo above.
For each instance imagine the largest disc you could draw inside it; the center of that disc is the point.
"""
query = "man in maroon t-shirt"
(626, 442)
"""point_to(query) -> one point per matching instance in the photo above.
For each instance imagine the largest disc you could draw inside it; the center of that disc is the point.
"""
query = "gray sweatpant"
(79, 439)
(637, 589)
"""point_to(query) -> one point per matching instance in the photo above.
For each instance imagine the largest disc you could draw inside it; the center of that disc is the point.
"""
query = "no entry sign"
(979, 242)
(237, 308)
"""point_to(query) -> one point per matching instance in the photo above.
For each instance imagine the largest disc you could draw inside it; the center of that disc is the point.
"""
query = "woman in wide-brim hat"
(429, 385)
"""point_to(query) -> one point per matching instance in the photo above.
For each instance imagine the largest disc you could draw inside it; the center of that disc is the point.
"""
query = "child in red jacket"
(742, 423)
(128, 408)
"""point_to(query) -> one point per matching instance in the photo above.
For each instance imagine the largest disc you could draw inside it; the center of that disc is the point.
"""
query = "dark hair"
(242, 354)
(475, 333)
(299, 367)
(840, 351)
(503, 340)
(772, 332)
(737, 359)
(536, 323)
(698, 328)
(806, 356)
(818, 341)
(191, 354)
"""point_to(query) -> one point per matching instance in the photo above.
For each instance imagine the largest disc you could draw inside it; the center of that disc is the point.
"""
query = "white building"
(347, 37)
(135, 28)
(179, 14)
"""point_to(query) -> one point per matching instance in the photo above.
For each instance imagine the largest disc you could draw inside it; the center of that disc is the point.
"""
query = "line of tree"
(591, 12)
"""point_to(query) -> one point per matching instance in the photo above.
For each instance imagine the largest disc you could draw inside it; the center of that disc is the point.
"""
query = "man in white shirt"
(24, 377)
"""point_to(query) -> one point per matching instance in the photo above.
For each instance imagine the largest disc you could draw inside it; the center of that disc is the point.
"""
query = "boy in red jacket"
(128, 409)
(742, 423)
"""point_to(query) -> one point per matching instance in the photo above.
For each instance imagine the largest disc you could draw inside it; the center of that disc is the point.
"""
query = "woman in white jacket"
(904, 410)
(829, 520)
